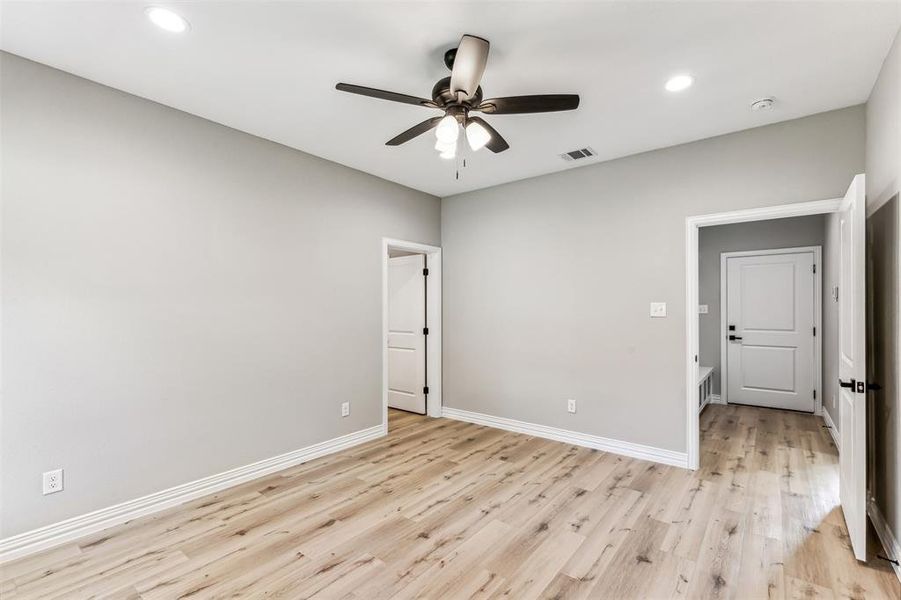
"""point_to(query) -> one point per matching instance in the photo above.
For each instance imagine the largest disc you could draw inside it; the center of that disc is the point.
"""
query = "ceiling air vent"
(578, 154)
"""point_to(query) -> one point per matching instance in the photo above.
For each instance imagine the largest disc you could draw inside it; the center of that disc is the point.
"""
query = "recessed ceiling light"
(167, 19)
(677, 83)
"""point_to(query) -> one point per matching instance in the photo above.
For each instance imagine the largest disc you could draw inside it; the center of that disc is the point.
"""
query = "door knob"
(847, 384)
(734, 338)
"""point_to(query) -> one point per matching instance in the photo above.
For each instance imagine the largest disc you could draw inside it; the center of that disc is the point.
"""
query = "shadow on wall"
(883, 293)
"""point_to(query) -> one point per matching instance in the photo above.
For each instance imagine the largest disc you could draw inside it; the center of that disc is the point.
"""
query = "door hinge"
(814, 332)
(425, 331)
(814, 268)
(814, 394)
(425, 272)
(425, 390)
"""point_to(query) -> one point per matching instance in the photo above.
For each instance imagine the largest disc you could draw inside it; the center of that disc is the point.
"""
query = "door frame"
(433, 321)
(692, 225)
(817, 316)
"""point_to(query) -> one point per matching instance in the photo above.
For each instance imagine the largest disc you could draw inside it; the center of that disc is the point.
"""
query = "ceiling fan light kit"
(458, 96)
(448, 129)
(477, 136)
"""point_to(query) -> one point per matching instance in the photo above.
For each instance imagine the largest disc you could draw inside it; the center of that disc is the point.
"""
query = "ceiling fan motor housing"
(444, 98)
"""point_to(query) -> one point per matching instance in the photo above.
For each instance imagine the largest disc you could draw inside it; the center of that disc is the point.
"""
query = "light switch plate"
(703, 309)
(658, 309)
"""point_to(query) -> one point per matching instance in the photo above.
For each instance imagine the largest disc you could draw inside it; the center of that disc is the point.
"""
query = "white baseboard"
(711, 399)
(659, 455)
(884, 532)
(66, 531)
(832, 429)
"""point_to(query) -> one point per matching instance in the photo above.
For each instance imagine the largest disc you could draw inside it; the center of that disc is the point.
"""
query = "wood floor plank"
(444, 509)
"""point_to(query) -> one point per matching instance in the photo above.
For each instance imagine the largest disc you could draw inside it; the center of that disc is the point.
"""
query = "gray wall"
(179, 298)
(758, 235)
(548, 280)
(883, 161)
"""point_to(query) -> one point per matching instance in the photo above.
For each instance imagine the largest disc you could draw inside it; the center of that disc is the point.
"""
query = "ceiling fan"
(458, 96)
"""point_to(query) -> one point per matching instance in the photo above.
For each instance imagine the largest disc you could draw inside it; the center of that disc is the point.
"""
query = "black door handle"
(847, 384)
(734, 338)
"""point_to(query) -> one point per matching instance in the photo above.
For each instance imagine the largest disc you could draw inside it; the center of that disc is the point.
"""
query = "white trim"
(885, 535)
(433, 321)
(650, 453)
(692, 224)
(704, 405)
(711, 399)
(782, 211)
(817, 317)
(836, 438)
(66, 531)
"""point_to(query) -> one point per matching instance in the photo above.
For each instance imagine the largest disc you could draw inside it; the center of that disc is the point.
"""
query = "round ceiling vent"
(763, 104)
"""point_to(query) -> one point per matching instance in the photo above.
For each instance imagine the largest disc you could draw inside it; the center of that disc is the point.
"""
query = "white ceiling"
(269, 68)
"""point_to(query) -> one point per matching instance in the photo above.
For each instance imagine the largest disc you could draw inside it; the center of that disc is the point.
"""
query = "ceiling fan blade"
(497, 143)
(513, 105)
(414, 131)
(469, 65)
(384, 95)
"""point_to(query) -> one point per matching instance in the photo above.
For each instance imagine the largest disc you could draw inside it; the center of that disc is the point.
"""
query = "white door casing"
(771, 357)
(852, 367)
(406, 337)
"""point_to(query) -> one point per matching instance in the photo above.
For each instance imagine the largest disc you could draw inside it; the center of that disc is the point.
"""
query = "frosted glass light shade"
(448, 130)
(477, 136)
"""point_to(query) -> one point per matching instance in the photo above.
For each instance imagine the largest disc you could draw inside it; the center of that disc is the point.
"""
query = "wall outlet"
(53, 481)
(703, 309)
(658, 309)
(345, 409)
(571, 405)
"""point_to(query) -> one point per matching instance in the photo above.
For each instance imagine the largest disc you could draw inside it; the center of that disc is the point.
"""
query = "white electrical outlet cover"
(703, 309)
(53, 481)
(658, 309)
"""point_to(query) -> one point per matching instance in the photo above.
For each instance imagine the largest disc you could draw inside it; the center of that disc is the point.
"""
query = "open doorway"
(411, 329)
(759, 312)
(847, 457)
(800, 227)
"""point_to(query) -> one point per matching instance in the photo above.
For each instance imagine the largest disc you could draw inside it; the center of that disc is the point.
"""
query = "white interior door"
(770, 351)
(852, 366)
(406, 333)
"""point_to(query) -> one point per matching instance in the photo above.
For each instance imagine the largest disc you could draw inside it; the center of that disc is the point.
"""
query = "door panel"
(406, 340)
(769, 368)
(852, 366)
(760, 310)
(770, 301)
